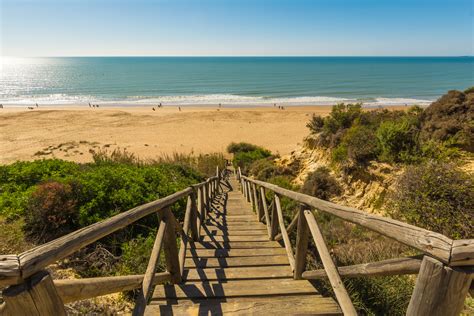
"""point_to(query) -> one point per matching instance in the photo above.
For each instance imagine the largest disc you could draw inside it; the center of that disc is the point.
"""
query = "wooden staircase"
(236, 269)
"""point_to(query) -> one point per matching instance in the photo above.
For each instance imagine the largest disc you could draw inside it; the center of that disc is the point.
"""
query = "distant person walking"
(36, 104)
(179, 108)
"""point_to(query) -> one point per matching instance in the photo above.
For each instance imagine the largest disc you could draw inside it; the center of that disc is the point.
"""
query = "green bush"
(18, 181)
(136, 254)
(358, 146)
(265, 169)
(398, 140)
(342, 116)
(435, 196)
(321, 184)
(315, 124)
(241, 147)
(51, 211)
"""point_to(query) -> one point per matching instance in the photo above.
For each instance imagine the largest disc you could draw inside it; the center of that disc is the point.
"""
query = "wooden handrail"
(398, 266)
(290, 227)
(434, 244)
(329, 266)
(71, 290)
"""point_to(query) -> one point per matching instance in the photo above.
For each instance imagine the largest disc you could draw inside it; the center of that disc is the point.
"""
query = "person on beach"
(36, 104)
(179, 108)
(1, 106)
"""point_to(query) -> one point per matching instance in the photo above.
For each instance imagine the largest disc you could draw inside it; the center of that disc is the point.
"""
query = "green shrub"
(321, 184)
(18, 181)
(342, 116)
(435, 196)
(315, 124)
(51, 211)
(113, 188)
(361, 144)
(241, 147)
(265, 169)
(398, 140)
(136, 254)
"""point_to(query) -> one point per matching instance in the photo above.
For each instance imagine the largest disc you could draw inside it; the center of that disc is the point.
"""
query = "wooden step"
(235, 238)
(221, 253)
(238, 273)
(241, 288)
(218, 232)
(276, 305)
(252, 261)
(237, 226)
(235, 245)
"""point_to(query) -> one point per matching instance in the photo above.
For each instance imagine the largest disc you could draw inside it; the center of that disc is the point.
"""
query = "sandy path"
(70, 133)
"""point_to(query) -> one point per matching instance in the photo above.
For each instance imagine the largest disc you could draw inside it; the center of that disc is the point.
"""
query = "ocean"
(233, 81)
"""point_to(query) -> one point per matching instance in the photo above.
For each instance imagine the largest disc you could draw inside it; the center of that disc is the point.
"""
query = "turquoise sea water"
(231, 80)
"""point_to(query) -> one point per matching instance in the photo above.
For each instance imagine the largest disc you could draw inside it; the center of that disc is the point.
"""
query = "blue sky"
(236, 27)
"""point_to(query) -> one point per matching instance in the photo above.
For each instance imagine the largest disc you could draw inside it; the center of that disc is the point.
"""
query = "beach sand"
(72, 132)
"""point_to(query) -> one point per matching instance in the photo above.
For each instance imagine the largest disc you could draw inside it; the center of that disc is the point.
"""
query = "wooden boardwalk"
(236, 269)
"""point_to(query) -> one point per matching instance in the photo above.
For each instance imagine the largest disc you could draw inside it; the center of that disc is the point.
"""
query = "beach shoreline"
(74, 132)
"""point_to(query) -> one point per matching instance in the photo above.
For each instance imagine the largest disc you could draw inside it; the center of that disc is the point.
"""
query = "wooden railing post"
(265, 210)
(256, 203)
(36, 296)
(439, 289)
(274, 227)
(184, 234)
(247, 190)
(170, 248)
(145, 292)
(284, 234)
(195, 220)
(331, 270)
(302, 237)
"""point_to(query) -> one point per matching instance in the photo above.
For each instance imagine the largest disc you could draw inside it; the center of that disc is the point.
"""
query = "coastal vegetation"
(428, 147)
(44, 199)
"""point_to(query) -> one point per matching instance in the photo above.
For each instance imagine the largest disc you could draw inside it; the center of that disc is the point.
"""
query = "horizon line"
(241, 56)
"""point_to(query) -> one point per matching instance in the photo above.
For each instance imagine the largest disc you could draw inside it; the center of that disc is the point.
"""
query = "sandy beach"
(72, 132)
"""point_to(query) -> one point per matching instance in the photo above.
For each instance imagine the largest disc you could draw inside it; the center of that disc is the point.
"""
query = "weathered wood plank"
(37, 296)
(240, 288)
(9, 270)
(398, 266)
(276, 305)
(235, 238)
(237, 245)
(331, 270)
(258, 232)
(237, 273)
(462, 253)
(80, 289)
(252, 261)
(429, 242)
(439, 290)
(225, 253)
